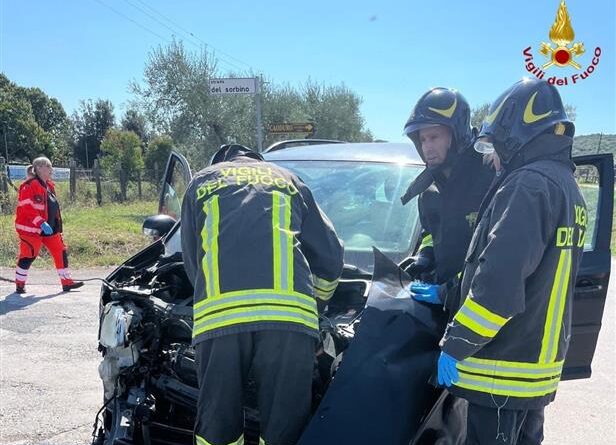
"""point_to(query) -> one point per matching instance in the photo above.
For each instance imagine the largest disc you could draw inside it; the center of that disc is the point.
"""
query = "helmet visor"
(410, 129)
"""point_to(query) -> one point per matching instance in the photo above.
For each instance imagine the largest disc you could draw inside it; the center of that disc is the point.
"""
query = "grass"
(96, 236)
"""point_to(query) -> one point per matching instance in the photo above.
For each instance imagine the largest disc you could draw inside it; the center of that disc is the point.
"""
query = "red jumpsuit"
(37, 204)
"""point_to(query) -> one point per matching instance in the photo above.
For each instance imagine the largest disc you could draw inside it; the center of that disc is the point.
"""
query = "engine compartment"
(148, 368)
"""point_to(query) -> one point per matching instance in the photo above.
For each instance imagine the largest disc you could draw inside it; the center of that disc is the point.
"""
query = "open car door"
(174, 184)
(595, 176)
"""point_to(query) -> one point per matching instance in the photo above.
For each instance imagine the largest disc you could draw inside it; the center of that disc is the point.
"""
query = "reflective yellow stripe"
(426, 241)
(474, 326)
(290, 239)
(479, 319)
(206, 248)
(504, 387)
(323, 284)
(276, 239)
(201, 441)
(209, 243)
(485, 313)
(306, 298)
(244, 315)
(556, 307)
(223, 304)
(501, 368)
(323, 288)
(214, 245)
(283, 241)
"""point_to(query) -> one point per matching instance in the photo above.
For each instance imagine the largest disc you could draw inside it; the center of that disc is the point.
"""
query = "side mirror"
(157, 226)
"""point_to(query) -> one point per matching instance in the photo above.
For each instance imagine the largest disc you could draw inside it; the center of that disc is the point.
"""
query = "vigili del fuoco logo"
(562, 52)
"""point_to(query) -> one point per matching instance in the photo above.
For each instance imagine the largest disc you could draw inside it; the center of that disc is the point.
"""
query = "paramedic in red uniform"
(38, 222)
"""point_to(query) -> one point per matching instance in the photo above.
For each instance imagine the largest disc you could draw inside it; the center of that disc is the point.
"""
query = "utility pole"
(87, 160)
(599, 145)
(259, 126)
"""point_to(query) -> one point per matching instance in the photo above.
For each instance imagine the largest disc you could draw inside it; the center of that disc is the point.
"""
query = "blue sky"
(389, 52)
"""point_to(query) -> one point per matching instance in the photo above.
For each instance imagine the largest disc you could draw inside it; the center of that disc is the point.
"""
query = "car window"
(362, 199)
(587, 177)
(173, 192)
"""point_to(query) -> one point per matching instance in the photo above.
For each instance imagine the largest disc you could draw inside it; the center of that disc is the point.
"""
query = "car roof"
(360, 151)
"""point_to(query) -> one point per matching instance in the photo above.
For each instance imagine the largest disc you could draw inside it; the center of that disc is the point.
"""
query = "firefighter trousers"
(493, 426)
(281, 363)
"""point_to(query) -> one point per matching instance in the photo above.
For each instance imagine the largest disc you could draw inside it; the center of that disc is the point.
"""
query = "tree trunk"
(97, 179)
(73, 180)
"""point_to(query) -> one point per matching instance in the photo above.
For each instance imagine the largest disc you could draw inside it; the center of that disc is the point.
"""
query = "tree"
(92, 121)
(158, 152)
(121, 157)
(479, 114)
(335, 112)
(174, 97)
(135, 121)
(34, 124)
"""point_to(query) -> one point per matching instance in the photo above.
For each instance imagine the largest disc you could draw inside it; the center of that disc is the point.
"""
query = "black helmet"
(229, 152)
(441, 106)
(523, 112)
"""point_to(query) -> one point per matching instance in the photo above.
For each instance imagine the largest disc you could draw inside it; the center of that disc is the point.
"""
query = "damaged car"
(148, 368)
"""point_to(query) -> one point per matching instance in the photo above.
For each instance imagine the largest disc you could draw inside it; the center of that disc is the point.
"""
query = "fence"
(86, 187)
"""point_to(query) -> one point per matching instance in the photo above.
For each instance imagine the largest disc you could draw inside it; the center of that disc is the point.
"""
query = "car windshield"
(362, 199)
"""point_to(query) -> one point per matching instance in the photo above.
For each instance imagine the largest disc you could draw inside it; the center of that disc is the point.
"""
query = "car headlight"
(114, 326)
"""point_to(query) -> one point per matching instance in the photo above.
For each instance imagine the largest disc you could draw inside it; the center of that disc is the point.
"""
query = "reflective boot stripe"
(556, 307)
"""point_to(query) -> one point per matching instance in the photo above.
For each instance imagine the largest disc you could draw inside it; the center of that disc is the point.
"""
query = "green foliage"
(594, 143)
(174, 97)
(478, 115)
(96, 236)
(135, 121)
(32, 124)
(91, 122)
(158, 152)
(122, 157)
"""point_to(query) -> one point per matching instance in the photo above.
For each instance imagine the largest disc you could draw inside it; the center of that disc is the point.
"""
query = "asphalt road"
(50, 390)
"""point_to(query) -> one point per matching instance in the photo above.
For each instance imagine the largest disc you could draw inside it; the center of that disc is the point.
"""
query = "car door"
(595, 176)
(174, 184)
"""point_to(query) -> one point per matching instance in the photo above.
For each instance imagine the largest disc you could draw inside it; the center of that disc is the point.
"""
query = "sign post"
(284, 128)
(232, 86)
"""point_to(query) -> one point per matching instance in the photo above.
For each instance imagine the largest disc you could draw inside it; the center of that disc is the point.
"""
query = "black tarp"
(381, 394)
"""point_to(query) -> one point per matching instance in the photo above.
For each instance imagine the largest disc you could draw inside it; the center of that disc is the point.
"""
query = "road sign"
(290, 128)
(233, 85)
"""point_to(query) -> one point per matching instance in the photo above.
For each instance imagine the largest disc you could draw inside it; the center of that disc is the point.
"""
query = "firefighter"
(38, 222)
(260, 255)
(505, 347)
(455, 181)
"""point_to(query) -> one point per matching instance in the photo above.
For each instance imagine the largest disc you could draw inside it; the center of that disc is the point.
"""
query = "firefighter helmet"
(524, 111)
(229, 152)
(441, 106)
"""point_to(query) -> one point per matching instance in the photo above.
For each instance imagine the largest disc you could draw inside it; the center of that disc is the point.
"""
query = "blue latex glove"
(428, 293)
(447, 371)
(46, 228)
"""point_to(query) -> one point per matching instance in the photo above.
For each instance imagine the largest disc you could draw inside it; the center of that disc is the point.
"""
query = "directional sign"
(290, 128)
(233, 85)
